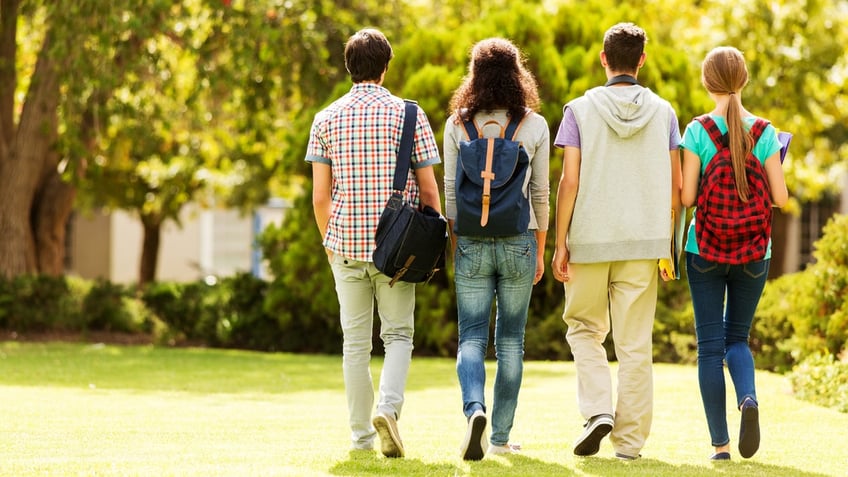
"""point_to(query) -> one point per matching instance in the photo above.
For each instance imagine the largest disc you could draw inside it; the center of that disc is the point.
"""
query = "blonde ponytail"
(740, 142)
(724, 72)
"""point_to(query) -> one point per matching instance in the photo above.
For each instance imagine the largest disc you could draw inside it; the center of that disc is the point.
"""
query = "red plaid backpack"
(727, 229)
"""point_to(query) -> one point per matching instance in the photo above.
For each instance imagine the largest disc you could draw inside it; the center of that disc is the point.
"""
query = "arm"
(777, 183)
(541, 237)
(452, 237)
(451, 151)
(428, 187)
(691, 177)
(322, 184)
(569, 183)
(676, 178)
(425, 153)
(540, 194)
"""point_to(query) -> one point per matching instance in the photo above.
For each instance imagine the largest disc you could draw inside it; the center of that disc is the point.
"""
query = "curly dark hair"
(496, 79)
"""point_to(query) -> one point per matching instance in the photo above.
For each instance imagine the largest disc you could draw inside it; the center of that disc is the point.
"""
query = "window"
(814, 216)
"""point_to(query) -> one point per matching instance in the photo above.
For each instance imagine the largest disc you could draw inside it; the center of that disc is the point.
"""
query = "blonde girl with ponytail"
(725, 294)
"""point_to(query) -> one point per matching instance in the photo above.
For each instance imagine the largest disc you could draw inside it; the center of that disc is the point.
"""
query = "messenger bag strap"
(404, 156)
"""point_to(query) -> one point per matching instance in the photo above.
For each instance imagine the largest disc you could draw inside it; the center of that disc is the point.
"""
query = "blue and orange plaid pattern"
(729, 230)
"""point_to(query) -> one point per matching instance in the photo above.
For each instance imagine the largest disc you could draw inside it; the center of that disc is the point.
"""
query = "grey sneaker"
(590, 441)
(621, 456)
(474, 444)
(390, 443)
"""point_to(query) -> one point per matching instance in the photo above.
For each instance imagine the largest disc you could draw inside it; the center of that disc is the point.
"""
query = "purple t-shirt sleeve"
(674, 134)
(569, 134)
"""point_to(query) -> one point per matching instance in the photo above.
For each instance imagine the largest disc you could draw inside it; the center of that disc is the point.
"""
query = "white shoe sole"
(390, 443)
(472, 446)
(590, 442)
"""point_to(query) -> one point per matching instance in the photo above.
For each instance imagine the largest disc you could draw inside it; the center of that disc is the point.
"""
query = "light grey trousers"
(358, 286)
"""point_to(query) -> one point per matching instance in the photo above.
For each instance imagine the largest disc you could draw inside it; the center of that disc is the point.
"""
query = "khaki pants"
(623, 294)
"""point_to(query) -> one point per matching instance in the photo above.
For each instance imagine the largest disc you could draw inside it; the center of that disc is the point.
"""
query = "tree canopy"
(150, 104)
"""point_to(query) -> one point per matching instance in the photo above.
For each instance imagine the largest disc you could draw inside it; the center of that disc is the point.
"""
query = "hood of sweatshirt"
(626, 110)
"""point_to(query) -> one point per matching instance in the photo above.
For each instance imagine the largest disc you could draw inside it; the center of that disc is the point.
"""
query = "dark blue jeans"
(725, 298)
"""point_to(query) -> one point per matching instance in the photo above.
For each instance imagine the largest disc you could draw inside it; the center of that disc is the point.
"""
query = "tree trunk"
(17, 247)
(53, 207)
(149, 249)
(21, 169)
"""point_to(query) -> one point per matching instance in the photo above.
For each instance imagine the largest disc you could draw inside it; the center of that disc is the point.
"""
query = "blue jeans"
(489, 269)
(725, 298)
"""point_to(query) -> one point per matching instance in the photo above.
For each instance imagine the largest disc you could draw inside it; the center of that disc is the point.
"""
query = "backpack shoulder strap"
(513, 126)
(758, 128)
(712, 129)
(471, 129)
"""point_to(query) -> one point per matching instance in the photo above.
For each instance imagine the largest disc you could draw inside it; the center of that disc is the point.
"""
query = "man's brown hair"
(367, 54)
(624, 44)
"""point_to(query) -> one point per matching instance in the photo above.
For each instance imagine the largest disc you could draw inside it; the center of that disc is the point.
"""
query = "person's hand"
(560, 264)
(540, 270)
(665, 265)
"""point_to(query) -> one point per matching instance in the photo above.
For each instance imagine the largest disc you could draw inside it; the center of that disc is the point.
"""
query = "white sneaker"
(390, 443)
(506, 449)
(474, 444)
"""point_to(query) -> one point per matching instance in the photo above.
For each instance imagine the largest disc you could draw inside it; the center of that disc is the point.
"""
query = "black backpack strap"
(404, 156)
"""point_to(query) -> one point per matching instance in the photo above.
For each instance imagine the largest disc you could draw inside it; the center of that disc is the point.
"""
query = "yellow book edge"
(671, 264)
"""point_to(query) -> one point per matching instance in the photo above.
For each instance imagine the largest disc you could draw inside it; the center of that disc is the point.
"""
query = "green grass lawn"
(81, 409)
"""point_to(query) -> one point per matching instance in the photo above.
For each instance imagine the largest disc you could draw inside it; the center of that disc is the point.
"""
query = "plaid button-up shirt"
(358, 135)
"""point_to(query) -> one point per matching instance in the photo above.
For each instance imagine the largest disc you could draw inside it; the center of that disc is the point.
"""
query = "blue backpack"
(490, 177)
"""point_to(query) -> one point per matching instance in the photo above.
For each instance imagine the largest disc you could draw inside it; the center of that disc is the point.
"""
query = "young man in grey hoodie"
(620, 180)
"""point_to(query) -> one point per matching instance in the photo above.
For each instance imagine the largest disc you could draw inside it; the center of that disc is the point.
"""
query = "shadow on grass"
(371, 463)
(658, 468)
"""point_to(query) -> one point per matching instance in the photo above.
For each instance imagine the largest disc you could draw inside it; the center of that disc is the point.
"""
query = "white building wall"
(179, 248)
(217, 242)
(125, 252)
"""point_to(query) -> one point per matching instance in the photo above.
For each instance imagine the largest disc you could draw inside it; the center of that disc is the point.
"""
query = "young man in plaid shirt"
(353, 148)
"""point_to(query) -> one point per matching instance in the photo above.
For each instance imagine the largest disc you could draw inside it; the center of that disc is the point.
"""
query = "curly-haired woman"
(497, 89)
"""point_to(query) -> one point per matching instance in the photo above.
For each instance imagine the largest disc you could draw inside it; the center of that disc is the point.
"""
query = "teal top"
(697, 140)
